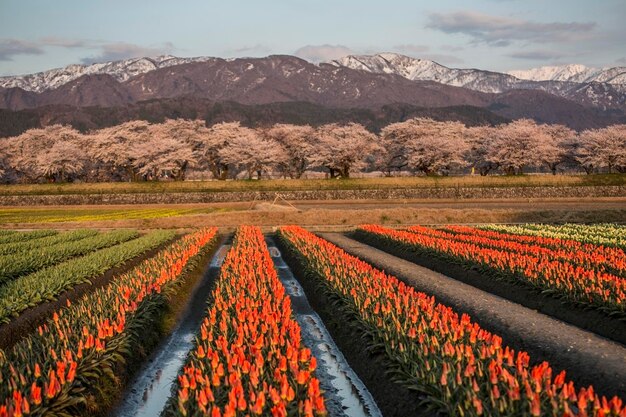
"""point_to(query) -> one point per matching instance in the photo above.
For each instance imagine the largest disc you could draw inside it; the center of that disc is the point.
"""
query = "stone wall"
(451, 193)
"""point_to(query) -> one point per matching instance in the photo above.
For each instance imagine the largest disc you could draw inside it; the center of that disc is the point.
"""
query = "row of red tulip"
(54, 370)
(249, 358)
(460, 367)
(608, 259)
(565, 280)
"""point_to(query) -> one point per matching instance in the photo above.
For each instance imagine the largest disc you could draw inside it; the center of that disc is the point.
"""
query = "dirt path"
(342, 216)
(587, 357)
(149, 391)
(592, 320)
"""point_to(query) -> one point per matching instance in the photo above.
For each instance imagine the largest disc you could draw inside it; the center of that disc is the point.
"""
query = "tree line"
(139, 151)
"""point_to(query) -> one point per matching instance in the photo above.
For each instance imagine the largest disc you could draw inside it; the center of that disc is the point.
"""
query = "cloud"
(107, 51)
(121, 50)
(502, 31)
(537, 55)
(621, 61)
(64, 42)
(321, 53)
(11, 47)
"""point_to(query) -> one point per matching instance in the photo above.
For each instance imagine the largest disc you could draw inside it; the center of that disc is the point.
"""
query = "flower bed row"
(33, 244)
(249, 358)
(564, 280)
(605, 235)
(12, 266)
(12, 236)
(460, 368)
(609, 260)
(516, 234)
(55, 370)
(46, 284)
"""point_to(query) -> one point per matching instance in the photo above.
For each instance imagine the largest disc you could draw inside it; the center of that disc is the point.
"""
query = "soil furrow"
(587, 357)
(33, 317)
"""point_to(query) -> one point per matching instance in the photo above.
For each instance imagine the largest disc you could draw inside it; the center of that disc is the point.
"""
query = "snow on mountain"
(481, 80)
(603, 88)
(426, 70)
(569, 73)
(120, 70)
(573, 73)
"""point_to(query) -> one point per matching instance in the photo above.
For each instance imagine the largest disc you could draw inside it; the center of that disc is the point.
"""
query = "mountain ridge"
(565, 81)
(122, 70)
(367, 82)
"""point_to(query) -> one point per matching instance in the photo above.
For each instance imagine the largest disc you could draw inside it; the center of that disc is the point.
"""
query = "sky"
(498, 35)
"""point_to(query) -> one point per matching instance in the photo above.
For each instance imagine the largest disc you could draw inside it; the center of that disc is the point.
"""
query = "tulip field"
(249, 353)
(585, 274)
(55, 370)
(249, 358)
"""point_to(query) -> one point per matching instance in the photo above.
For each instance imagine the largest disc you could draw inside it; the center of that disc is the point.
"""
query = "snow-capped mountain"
(425, 70)
(120, 70)
(574, 73)
(575, 82)
(570, 73)
(476, 79)
(353, 82)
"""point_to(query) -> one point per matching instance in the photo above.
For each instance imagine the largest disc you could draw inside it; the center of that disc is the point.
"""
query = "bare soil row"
(588, 358)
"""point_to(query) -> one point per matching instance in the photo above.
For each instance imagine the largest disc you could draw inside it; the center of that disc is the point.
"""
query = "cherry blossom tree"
(253, 154)
(218, 137)
(53, 153)
(297, 143)
(552, 145)
(4, 161)
(479, 152)
(193, 133)
(341, 149)
(393, 140)
(598, 148)
(617, 133)
(115, 148)
(427, 145)
(515, 145)
(61, 161)
(22, 151)
(162, 156)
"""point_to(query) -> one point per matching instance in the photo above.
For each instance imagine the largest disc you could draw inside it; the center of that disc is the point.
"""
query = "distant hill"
(347, 88)
(88, 118)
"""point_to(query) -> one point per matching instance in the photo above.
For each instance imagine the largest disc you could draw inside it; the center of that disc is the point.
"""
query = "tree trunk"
(223, 173)
(553, 168)
(180, 175)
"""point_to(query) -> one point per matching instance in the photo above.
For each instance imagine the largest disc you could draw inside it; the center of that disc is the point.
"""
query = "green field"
(314, 184)
(80, 214)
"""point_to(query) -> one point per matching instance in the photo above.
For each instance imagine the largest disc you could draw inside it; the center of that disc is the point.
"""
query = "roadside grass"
(55, 215)
(314, 184)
